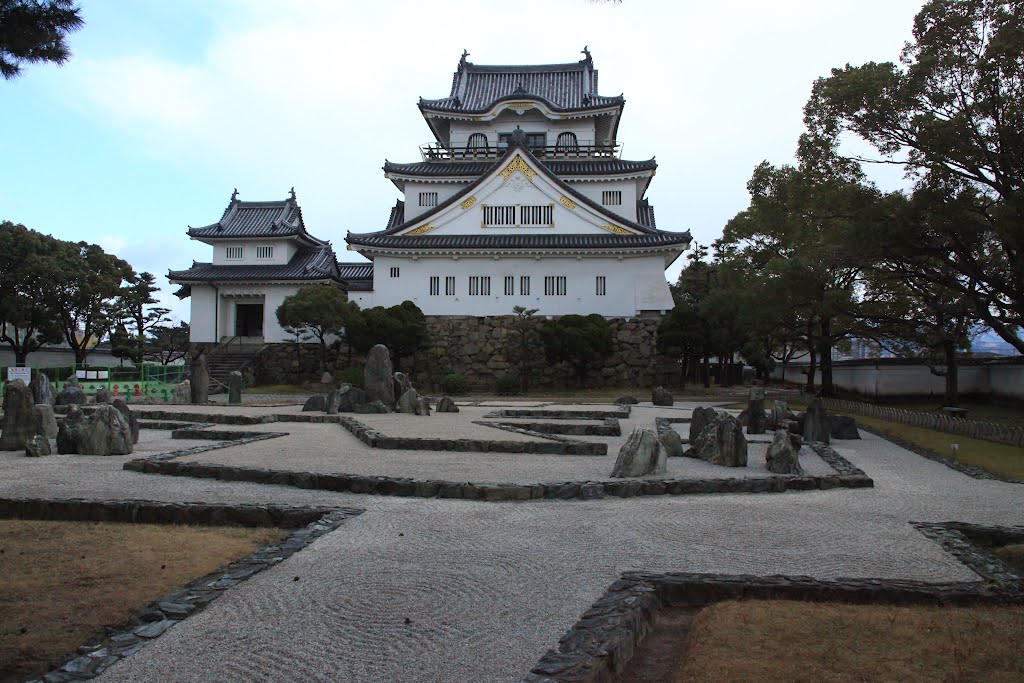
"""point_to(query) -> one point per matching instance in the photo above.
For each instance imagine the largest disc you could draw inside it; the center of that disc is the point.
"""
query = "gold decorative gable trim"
(615, 229)
(567, 203)
(423, 229)
(468, 203)
(520, 107)
(518, 164)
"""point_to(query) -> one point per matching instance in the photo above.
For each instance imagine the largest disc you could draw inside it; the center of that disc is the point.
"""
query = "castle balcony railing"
(434, 151)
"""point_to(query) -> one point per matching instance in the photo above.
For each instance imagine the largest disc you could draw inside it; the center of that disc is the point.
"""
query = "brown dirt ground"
(61, 583)
(1011, 554)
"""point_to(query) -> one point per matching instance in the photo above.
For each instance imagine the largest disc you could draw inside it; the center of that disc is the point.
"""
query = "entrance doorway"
(248, 320)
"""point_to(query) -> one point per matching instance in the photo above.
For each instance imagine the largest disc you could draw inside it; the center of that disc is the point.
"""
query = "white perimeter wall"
(633, 284)
(913, 379)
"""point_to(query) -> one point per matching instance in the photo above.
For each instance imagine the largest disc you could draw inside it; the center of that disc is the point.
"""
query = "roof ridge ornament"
(518, 137)
(463, 61)
(234, 194)
(292, 193)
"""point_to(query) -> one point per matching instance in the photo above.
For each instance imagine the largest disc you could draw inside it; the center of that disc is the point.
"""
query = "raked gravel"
(489, 587)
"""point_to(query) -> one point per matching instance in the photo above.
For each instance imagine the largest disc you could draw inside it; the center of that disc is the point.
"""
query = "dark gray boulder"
(105, 432)
(69, 431)
(672, 442)
(200, 380)
(757, 419)
(401, 384)
(817, 426)
(20, 421)
(133, 421)
(700, 419)
(423, 407)
(47, 420)
(102, 395)
(183, 392)
(408, 402)
(332, 405)
(378, 376)
(37, 446)
(627, 401)
(445, 404)
(780, 412)
(349, 398)
(42, 389)
(371, 407)
(235, 387)
(721, 443)
(71, 394)
(315, 403)
(642, 454)
(782, 458)
(661, 397)
(843, 427)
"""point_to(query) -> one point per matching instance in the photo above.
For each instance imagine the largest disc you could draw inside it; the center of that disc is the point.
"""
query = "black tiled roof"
(355, 271)
(526, 241)
(315, 263)
(397, 216)
(565, 87)
(645, 214)
(561, 167)
(257, 219)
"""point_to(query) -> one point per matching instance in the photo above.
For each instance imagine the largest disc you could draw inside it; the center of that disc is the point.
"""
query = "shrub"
(508, 384)
(352, 375)
(454, 383)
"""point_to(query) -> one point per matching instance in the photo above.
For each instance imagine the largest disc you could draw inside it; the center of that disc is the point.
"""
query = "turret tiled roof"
(526, 241)
(309, 264)
(560, 167)
(242, 220)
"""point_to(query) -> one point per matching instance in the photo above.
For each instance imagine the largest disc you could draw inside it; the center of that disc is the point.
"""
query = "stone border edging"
(968, 543)
(99, 654)
(569, 446)
(598, 648)
(608, 427)
(562, 414)
(962, 467)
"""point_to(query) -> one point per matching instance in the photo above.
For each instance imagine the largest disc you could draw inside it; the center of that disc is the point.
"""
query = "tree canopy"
(318, 312)
(28, 269)
(577, 340)
(33, 31)
(402, 328)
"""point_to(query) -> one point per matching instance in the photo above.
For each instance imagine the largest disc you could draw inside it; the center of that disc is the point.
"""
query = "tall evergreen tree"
(34, 31)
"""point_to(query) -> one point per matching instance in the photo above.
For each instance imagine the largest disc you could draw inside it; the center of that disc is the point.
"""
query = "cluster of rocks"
(384, 391)
(111, 429)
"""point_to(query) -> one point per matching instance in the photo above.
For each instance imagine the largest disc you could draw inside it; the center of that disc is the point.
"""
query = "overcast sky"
(167, 106)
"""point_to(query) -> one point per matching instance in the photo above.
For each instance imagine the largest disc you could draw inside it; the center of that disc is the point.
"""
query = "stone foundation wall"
(484, 349)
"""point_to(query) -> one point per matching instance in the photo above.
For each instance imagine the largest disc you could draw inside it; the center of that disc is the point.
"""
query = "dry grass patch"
(1012, 555)
(795, 641)
(61, 583)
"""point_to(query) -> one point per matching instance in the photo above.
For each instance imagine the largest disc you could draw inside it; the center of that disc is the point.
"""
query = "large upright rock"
(42, 389)
(105, 432)
(70, 430)
(661, 397)
(350, 397)
(71, 394)
(817, 426)
(20, 421)
(133, 421)
(200, 380)
(757, 420)
(235, 387)
(408, 402)
(721, 443)
(445, 404)
(183, 392)
(642, 454)
(780, 413)
(782, 457)
(402, 384)
(316, 402)
(378, 377)
(47, 420)
(701, 418)
(672, 443)
(332, 402)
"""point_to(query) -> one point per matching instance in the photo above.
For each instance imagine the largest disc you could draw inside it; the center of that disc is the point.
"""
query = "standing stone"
(843, 427)
(407, 402)
(661, 397)
(332, 401)
(235, 387)
(105, 432)
(817, 426)
(183, 392)
(133, 422)
(70, 430)
(402, 383)
(782, 457)
(642, 454)
(20, 421)
(47, 420)
(701, 418)
(200, 380)
(71, 394)
(757, 421)
(423, 407)
(379, 381)
(445, 404)
(780, 413)
(721, 443)
(102, 395)
(326, 378)
(315, 403)
(42, 389)
(349, 397)
(37, 446)
(672, 443)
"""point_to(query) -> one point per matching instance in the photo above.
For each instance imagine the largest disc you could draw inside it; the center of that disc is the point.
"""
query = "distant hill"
(990, 342)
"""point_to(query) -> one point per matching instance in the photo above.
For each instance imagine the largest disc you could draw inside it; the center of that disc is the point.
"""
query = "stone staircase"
(226, 358)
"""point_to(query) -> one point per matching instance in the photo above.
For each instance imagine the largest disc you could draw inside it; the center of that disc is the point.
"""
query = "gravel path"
(488, 588)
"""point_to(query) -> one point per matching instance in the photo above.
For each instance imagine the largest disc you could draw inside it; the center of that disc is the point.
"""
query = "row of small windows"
(518, 215)
(235, 253)
(480, 285)
(566, 142)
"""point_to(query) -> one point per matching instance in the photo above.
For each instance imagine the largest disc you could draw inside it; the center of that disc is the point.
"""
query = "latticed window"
(435, 285)
(554, 285)
(611, 197)
(394, 271)
(499, 215)
(536, 215)
(567, 142)
(477, 143)
(233, 253)
(479, 285)
(601, 285)
(524, 285)
(428, 199)
(449, 285)
(264, 252)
